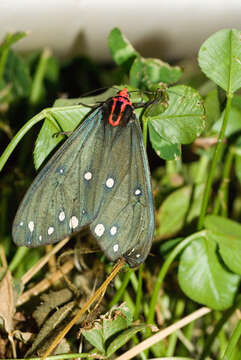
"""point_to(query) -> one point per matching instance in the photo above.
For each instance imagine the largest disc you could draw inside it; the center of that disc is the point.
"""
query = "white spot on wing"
(138, 255)
(113, 230)
(110, 183)
(137, 192)
(31, 226)
(21, 223)
(131, 251)
(115, 247)
(99, 229)
(50, 230)
(61, 216)
(88, 175)
(40, 237)
(74, 222)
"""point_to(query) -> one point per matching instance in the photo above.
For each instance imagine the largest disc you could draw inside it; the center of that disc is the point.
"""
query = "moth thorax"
(118, 111)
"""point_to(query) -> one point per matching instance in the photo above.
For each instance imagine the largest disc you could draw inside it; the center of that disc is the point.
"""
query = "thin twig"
(26, 277)
(46, 283)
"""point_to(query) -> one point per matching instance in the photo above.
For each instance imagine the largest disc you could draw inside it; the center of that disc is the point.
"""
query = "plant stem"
(214, 163)
(121, 290)
(46, 113)
(164, 270)
(18, 257)
(223, 320)
(171, 167)
(173, 337)
(14, 142)
(222, 197)
(139, 293)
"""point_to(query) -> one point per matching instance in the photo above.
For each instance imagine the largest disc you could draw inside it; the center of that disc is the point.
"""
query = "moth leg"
(68, 133)
(87, 105)
(159, 93)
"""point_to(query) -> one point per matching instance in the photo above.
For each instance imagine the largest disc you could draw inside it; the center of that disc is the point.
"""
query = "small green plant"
(197, 191)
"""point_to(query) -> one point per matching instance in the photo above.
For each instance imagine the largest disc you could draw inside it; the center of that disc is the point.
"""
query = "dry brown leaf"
(22, 336)
(49, 327)
(7, 307)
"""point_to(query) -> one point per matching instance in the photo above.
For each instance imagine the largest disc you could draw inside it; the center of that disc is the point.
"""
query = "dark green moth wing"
(124, 225)
(99, 177)
(61, 198)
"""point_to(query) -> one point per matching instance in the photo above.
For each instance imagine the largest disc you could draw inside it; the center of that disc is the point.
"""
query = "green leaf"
(16, 73)
(10, 39)
(87, 100)
(183, 120)
(67, 118)
(160, 71)
(163, 148)
(227, 233)
(46, 142)
(176, 209)
(212, 108)
(173, 211)
(38, 89)
(146, 72)
(234, 120)
(203, 278)
(94, 336)
(220, 59)
(123, 339)
(225, 226)
(137, 74)
(121, 49)
(117, 319)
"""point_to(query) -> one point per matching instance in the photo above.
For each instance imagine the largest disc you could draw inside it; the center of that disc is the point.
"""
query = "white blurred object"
(167, 29)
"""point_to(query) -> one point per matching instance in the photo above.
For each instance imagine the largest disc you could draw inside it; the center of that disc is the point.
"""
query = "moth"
(98, 178)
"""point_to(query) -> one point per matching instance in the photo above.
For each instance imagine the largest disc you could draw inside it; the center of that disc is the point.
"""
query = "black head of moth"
(98, 178)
